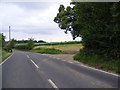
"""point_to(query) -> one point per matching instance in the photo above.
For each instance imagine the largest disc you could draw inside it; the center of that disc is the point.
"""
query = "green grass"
(53, 49)
(99, 62)
(53, 43)
(4, 55)
(69, 48)
(66, 46)
(47, 51)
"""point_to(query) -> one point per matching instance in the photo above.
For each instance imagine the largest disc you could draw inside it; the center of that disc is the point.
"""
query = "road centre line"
(53, 84)
(34, 63)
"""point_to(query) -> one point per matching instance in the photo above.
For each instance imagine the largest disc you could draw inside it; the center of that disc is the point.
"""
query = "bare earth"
(62, 56)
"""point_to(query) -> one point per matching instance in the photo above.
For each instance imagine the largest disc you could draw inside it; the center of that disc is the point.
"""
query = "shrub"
(22, 47)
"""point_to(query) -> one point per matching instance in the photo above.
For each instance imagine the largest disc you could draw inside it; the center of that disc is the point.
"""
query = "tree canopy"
(98, 24)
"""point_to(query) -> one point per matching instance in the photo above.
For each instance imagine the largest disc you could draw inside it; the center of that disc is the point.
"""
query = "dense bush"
(22, 47)
(30, 43)
(27, 46)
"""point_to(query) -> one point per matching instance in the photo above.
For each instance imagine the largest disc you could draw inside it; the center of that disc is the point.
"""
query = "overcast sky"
(32, 19)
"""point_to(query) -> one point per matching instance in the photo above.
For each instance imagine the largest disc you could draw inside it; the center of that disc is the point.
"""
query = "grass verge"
(99, 62)
(4, 55)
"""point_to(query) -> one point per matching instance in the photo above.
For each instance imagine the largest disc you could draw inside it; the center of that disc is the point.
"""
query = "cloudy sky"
(32, 19)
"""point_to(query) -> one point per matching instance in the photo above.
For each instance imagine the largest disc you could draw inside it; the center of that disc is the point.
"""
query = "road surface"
(33, 70)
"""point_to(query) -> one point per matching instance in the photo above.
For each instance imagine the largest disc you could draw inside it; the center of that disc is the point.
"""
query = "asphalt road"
(33, 70)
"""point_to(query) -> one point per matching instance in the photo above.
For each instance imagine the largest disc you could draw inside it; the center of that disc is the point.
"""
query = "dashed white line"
(53, 84)
(28, 56)
(34, 64)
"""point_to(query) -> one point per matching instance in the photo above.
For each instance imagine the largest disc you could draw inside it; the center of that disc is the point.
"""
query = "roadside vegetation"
(48, 43)
(51, 48)
(98, 62)
(4, 55)
(4, 48)
(48, 51)
(69, 48)
(98, 24)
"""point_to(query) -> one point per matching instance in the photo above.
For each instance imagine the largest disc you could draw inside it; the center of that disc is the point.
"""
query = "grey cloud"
(33, 5)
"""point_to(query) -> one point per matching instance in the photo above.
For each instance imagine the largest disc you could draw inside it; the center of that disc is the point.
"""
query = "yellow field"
(73, 48)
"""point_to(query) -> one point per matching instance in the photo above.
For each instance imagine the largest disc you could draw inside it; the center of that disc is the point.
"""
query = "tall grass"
(98, 62)
(3, 55)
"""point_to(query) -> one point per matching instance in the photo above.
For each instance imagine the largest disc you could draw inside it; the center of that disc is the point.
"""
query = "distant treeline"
(58, 43)
(26, 41)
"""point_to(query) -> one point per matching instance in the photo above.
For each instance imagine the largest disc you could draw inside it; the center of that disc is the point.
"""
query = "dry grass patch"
(71, 48)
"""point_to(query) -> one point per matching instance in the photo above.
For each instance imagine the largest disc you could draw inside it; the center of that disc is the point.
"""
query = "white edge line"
(94, 68)
(70, 62)
(53, 84)
(6, 59)
(64, 60)
(28, 56)
(34, 64)
(90, 67)
(101, 70)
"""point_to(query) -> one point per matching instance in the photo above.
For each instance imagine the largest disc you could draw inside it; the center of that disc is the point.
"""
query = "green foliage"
(26, 46)
(98, 62)
(4, 45)
(12, 43)
(30, 43)
(49, 51)
(58, 43)
(2, 40)
(98, 24)
(5, 54)
(22, 47)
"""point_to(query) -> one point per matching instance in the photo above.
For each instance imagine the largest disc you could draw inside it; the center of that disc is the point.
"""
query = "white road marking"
(76, 62)
(53, 84)
(34, 64)
(6, 59)
(64, 60)
(70, 62)
(91, 67)
(101, 70)
(28, 56)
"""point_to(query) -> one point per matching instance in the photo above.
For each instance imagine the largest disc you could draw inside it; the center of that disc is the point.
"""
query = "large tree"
(97, 23)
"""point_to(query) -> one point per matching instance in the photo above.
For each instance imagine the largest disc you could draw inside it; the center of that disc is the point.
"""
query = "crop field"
(70, 48)
(52, 43)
